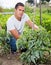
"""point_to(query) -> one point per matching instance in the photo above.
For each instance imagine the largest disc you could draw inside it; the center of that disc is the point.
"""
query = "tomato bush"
(36, 42)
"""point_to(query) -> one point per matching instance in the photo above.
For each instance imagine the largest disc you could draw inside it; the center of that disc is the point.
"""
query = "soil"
(10, 59)
(13, 59)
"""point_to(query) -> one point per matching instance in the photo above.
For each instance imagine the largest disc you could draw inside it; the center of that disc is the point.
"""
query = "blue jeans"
(13, 44)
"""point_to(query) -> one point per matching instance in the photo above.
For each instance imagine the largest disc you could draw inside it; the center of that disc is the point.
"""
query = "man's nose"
(21, 12)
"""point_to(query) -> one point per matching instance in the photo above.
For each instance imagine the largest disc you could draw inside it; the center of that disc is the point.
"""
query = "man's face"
(19, 11)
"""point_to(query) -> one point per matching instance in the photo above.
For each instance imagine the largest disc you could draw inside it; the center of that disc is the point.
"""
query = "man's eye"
(22, 10)
(19, 9)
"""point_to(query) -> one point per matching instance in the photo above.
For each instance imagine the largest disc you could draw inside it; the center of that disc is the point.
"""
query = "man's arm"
(15, 33)
(32, 25)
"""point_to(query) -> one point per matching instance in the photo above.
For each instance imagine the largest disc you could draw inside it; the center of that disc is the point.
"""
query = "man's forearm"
(15, 34)
(32, 25)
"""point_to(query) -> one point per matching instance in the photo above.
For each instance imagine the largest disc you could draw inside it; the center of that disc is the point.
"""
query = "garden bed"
(14, 60)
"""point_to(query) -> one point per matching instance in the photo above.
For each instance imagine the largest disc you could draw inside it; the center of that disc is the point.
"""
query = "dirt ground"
(10, 59)
(13, 59)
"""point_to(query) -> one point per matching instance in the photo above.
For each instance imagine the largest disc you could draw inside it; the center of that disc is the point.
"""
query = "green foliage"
(3, 20)
(46, 21)
(28, 9)
(36, 42)
(8, 10)
(4, 47)
(47, 0)
(49, 35)
(30, 1)
(44, 1)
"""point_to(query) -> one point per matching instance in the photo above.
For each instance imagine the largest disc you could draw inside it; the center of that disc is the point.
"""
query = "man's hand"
(32, 25)
(35, 26)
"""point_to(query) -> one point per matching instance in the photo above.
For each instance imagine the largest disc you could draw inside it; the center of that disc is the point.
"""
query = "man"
(15, 24)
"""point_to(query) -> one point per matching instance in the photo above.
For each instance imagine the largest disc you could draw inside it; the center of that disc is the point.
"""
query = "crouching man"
(15, 25)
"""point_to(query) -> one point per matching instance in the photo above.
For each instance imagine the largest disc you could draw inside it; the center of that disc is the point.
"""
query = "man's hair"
(19, 4)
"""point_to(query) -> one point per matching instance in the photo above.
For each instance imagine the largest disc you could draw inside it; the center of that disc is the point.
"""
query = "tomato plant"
(4, 47)
(36, 42)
